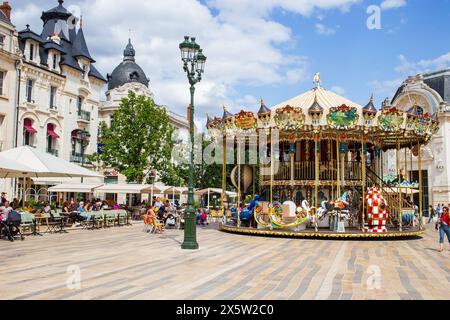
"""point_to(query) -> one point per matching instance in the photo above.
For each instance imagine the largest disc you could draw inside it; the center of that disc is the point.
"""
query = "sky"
(267, 49)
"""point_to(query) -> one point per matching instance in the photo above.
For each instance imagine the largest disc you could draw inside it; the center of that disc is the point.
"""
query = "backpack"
(14, 219)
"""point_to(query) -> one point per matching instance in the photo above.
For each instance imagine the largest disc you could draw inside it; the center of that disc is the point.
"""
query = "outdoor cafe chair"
(47, 220)
(110, 218)
(28, 223)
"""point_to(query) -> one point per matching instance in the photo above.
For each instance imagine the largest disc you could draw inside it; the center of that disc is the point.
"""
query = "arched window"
(28, 132)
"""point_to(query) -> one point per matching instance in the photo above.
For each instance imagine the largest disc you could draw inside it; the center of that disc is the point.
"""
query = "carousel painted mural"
(325, 174)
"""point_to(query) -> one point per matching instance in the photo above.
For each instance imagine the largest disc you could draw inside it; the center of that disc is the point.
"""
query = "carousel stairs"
(391, 196)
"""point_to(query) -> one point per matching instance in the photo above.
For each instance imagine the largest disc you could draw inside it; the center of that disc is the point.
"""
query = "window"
(2, 40)
(28, 132)
(29, 91)
(2, 77)
(55, 61)
(80, 104)
(52, 97)
(31, 52)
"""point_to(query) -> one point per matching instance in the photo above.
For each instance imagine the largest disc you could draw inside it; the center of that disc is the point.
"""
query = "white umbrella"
(38, 164)
(12, 169)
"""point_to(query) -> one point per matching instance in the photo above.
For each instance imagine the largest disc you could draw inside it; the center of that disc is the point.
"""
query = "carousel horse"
(321, 213)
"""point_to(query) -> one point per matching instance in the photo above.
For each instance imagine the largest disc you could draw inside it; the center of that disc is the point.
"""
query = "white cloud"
(243, 44)
(323, 30)
(339, 90)
(386, 88)
(392, 4)
(408, 68)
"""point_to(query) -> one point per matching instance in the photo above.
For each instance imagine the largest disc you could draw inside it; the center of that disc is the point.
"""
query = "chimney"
(6, 8)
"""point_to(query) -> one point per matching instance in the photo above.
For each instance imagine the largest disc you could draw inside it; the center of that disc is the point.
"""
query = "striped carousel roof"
(326, 99)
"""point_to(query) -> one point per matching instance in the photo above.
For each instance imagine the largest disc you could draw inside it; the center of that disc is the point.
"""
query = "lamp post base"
(190, 239)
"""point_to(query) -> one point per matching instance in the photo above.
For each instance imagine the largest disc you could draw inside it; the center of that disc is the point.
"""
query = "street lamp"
(194, 65)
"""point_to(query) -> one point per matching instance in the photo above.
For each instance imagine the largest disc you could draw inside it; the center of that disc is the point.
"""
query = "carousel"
(325, 175)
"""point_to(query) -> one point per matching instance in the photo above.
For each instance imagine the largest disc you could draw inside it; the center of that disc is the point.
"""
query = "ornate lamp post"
(194, 65)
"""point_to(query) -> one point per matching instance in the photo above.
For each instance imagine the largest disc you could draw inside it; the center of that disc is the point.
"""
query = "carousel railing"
(284, 171)
(328, 171)
(304, 170)
(353, 171)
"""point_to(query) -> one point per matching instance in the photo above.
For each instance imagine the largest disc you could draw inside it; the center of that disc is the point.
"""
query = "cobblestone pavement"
(126, 263)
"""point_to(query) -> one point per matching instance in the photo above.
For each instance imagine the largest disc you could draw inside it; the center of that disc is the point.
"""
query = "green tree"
(139, 139)
(206, 175)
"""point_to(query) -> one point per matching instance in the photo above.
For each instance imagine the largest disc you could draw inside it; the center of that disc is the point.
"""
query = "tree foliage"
(139, 139)
(206, 175)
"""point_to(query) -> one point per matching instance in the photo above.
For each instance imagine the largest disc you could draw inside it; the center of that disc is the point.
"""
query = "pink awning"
(28, 126)
(51, 131)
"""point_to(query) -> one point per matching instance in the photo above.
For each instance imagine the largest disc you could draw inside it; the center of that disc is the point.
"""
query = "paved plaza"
(126, 263)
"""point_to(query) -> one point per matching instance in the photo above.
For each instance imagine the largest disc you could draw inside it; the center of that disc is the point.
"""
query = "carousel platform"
(350, 233)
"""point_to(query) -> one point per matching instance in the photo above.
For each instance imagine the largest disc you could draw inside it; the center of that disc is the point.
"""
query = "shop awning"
(28, 126)
(215, 190)
(51, 132)
(128, 189)
(80, 187)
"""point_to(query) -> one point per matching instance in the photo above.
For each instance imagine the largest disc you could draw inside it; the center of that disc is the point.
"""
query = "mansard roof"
(59, 33)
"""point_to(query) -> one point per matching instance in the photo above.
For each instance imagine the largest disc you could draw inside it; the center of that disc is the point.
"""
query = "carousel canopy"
(320, 112)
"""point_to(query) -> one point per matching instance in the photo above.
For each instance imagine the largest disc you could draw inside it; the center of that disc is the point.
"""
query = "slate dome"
(127, 71)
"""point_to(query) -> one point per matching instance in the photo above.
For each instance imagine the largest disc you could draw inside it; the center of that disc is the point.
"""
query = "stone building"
(431, 93)
(51, 102)
(129, 76)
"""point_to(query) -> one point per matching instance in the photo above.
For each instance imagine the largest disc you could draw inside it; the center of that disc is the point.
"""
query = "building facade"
(54, 96)
(9, 65)
(431, 93)
(129, 76)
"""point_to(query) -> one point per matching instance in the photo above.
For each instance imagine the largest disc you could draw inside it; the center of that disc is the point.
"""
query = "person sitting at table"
(27, 207)
(80, 215)
(73, 206)
(88, 207)
(47, 208)
(5, 209)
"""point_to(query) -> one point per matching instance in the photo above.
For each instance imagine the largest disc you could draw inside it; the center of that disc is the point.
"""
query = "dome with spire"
(127, 71)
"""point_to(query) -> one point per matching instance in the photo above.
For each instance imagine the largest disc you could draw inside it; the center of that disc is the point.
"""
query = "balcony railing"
(80, 158)
(84, 115)
(53, 152)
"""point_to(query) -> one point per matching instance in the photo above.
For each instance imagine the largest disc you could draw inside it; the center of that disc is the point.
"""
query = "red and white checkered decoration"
(377, 218)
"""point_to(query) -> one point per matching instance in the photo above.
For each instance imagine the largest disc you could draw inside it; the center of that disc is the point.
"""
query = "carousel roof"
(326, 99)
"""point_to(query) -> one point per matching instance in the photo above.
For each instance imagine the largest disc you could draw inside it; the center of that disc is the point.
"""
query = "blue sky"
(264, 48)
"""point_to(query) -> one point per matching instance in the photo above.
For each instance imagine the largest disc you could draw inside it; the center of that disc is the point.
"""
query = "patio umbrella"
(12, 169)
(28, 162)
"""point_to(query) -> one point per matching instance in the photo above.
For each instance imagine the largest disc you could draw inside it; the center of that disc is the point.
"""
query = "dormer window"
(31, 51)
(55, 61)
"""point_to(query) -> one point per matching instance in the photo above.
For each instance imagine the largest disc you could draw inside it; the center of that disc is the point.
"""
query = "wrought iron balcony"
(80, 158)
(84, 116)
(53, 152)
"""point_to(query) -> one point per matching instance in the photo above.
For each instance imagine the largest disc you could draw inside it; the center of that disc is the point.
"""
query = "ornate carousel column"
(419, 151)
(316, 113)
(239, 146)
(399, 174)
(317, 170)
(363, 182)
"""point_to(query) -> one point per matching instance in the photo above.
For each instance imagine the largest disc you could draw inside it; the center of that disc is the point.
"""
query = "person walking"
(432, 214)
(444, 228)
